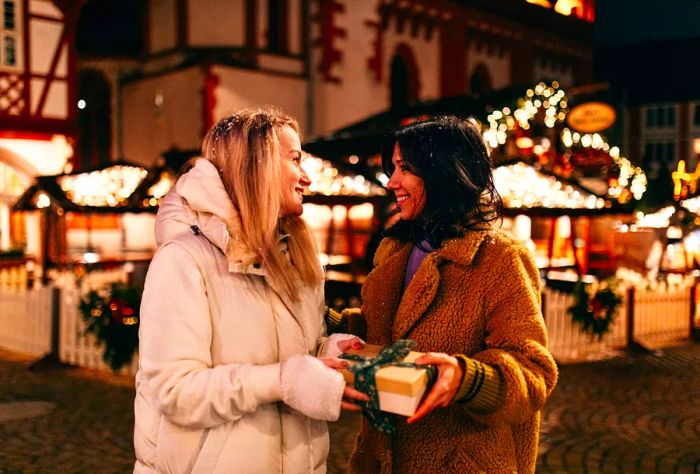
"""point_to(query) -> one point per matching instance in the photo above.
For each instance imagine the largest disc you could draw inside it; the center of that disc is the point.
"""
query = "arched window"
(277, 16)
(405, 84)
(94, 118)
(480, 81)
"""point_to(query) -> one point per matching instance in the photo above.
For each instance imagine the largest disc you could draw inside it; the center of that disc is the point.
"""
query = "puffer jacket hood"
(199, 199)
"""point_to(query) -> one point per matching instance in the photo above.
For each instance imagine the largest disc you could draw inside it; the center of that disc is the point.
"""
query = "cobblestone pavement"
(625, 415)
(89, 430)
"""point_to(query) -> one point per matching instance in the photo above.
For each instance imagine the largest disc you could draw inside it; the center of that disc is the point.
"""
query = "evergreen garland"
(595, 307)
(114, 320)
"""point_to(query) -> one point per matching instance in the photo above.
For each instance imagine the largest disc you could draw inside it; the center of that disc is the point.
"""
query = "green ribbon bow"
(365, 372)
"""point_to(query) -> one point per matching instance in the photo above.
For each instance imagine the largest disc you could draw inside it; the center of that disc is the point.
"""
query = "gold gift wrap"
(400, 388)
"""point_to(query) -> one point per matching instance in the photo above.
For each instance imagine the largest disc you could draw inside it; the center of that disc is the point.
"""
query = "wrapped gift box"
(400, 389)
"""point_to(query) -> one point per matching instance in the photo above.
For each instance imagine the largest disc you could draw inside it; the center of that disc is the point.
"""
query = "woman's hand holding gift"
(450, 375)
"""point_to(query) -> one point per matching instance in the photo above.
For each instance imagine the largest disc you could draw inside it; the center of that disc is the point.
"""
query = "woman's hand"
(350, 394)
(352, 343)
(338, 343)
(450, 374)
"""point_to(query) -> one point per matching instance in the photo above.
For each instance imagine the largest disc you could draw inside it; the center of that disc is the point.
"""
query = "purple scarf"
(418, 254)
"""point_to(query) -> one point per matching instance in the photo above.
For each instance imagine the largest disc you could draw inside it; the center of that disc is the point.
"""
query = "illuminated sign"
(591, 117)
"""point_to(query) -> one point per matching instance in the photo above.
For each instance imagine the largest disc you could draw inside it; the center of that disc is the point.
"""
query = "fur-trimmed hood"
(199, 199)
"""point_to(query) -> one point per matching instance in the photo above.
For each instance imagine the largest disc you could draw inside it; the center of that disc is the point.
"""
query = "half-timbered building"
(37, 104)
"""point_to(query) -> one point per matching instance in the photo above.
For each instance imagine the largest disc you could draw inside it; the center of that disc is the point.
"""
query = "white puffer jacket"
(213, 334)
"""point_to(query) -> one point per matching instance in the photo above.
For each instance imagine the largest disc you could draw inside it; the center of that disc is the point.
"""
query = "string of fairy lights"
(327, 180)
(540, 191)
(543, 104)
(549, 103)
(108, 187)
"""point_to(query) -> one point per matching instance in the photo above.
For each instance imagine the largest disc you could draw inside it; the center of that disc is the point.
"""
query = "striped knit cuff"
(333, 317)
(482, 387)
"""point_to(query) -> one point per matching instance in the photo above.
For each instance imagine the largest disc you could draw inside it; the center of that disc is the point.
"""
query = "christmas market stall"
(104, 214)
(589, 183)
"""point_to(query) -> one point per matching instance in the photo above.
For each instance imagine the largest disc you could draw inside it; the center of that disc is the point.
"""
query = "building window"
(651, 118)
(10, 51)
(663, 153)
(696, 116)
(94, 118)
(670, 153)
(8, 14)
(480, 82)
(671, 116)
(661, 116)
(9, 34)
(404, 81)
(277, 26)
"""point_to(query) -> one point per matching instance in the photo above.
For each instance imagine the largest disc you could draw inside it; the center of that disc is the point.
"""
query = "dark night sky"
(632, 21)
(110, 27)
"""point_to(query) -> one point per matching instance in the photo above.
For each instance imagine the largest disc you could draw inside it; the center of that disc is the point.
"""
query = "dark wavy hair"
(450, 156)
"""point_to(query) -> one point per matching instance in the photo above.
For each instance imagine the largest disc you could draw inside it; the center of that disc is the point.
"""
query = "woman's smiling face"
(408, 188)
(294, 178)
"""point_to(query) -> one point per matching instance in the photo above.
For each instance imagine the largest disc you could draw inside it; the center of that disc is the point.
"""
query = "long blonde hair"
(245, 149)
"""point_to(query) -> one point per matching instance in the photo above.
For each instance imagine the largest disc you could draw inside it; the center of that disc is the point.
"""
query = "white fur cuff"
(311, 388)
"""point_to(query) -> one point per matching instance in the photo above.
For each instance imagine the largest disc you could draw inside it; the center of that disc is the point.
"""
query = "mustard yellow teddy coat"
(477, 295)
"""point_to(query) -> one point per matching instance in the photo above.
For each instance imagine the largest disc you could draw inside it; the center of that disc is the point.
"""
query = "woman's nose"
(393, 182)
(304, 180)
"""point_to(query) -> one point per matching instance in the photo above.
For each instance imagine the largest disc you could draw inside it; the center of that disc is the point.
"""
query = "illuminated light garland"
(110, 187)
(630, 177)
(657, 220)
(327, 180)
(42, 201)
(160, 189)
(522, 186)
(631, 180)
(692, 204)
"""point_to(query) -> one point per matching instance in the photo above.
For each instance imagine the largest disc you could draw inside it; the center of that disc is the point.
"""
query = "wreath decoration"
(595, 307)
(113, 317)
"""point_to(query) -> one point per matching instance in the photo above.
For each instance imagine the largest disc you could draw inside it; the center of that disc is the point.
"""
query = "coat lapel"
(418, 296)
(381, 292)
(392, 315)
(422, 289)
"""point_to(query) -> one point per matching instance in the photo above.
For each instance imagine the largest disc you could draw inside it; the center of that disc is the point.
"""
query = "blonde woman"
(231, 317)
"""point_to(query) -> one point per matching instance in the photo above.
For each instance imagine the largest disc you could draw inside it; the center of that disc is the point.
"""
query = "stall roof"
(365, 137)
(107, 188)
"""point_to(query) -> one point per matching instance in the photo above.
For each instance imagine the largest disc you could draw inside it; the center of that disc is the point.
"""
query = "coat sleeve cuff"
(482, 387)
(265, 382)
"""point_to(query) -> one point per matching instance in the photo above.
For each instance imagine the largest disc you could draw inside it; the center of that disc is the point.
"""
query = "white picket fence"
(25, 320)
(661, 316)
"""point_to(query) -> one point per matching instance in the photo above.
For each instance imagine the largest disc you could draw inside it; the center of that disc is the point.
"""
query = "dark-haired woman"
(469, 295)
